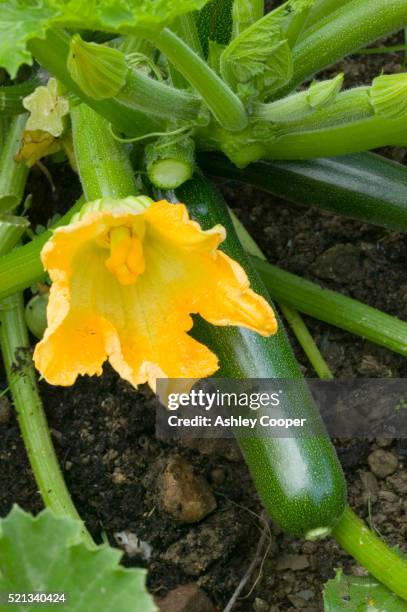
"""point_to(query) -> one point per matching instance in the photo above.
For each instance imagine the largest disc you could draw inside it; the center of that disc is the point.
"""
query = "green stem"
(224, 104)
(295, 113)
(322, 9)
(104, 167)
(353, 137)
(16, 352)
(381, 50)
(13, 174)
(293, 318)
(354, 25)
(11, 96)
(296, 26)
(11, 230)
(245, 13)
(22, 267)
(52, 53)
(306, 341)
(145, 94)
(21, 377)
(334, 308)
(185, 27)
(370, 551)
(338, 134)
(112, 175)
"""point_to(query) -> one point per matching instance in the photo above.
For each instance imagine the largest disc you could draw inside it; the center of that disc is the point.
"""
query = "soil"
(103, 429)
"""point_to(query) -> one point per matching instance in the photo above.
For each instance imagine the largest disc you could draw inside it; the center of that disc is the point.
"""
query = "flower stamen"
(126, 259)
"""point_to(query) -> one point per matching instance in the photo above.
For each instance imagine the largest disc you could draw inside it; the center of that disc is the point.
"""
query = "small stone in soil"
(132, 545)
(184, 495)
(186, 598)
(217, 476)
(370, 485)
(260, 605)
(399, 482)
(293, 562)
(384, 442)
(340, 262)
(382, 463)
(206, 543)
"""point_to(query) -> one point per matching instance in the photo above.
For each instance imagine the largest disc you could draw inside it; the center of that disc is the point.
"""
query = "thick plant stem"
(354, 25)
(12, 174)
(292, 317)
(334, 308)
(296, 143)
(103, 165)
(245, 13)
(223, 102)
(321, 9)
(16, 351)
(110, 175)
(22, 267)
(11, 96)
(11, 230)
(143, 94)
(352, 137)
(370, 551)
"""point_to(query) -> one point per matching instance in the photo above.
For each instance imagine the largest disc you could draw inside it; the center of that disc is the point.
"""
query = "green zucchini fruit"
(364, 186)
(299, 480)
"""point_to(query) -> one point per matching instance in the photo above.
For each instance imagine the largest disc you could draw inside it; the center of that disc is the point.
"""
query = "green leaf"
(388, 95)
(261, 53)
(23, 20)
(19, 23)
(360, 594)
(45, 553)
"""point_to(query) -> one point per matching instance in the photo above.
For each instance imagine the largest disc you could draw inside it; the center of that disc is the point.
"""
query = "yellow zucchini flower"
(126, 277)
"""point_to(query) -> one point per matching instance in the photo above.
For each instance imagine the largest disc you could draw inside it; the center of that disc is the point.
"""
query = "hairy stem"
(370, 551)
(334, 308)
(22, 267)
(104, 168)
(21, 377)
(223, 102)
(13, 174)
(16, 351)
(354, 25)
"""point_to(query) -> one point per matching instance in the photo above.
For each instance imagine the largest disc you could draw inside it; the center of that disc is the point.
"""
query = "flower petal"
(76, 347)
(171, 223)
(230, 301)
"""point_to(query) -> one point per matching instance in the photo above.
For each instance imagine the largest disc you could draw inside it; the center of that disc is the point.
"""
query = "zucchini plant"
(149, 100)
